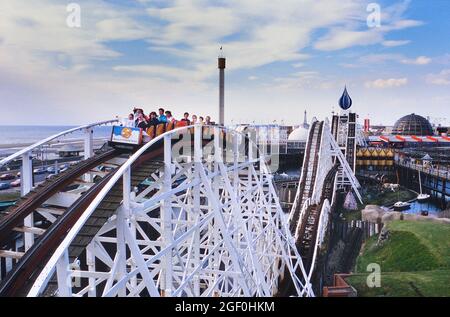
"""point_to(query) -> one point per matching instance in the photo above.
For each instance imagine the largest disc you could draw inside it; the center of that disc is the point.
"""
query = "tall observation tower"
(221, 62)
(344, 131)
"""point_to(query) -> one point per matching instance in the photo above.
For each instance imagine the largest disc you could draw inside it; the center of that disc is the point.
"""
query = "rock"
(372, 213)
(391, 216)
(384, 236)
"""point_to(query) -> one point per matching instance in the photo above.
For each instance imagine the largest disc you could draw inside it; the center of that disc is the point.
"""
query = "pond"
(430, 206)
(417, 207)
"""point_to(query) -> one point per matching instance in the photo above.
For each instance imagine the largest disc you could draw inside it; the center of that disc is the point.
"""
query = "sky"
(283, 57)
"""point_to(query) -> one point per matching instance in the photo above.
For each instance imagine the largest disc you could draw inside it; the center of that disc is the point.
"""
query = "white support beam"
(88, 143)
(26, 174)
(11, 254)
(33, 230)
(51, 210)
(166, 219)
(63, 274)
(26, 182)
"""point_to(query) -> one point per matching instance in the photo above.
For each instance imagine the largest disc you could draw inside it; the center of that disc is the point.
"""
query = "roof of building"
(413, 124)
(409, 138)
(299, 135)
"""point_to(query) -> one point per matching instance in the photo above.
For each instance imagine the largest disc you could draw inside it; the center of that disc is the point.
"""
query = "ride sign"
(126, 135)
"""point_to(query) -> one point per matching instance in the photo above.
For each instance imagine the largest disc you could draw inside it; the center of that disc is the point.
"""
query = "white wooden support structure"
(26, 182)
(205, 227)
(29, 228)
(88, 143)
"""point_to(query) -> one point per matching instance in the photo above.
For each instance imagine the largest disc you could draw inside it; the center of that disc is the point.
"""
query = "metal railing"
(442, 172)
(26, 175)
(52, 138)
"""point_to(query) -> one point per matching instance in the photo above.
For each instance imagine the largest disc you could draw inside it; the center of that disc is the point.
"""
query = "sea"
(13, 137)
(14, 134)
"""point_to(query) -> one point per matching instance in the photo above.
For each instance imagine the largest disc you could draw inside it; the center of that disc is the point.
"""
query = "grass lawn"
(414, 261)
(405, 284)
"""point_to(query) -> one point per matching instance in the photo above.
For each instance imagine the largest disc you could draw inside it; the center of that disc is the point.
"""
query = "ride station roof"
(409, 138)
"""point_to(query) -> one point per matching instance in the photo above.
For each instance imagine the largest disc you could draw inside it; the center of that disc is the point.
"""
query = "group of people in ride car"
(154, 123)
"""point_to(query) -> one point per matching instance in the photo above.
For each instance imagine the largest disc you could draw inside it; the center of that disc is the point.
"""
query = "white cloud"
(306, 80)
(442, 78)
(399, 58)
(421, 60)
(341, 38)
(387, 83)
(395, 43)
(253, 77)
(158, 71)
(69, 72)
(355, 31)
(267, 31)
(192, 30)
(36, 38)
(402, 24)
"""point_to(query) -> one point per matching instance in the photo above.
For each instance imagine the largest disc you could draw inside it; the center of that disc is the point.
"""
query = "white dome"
(299, 135)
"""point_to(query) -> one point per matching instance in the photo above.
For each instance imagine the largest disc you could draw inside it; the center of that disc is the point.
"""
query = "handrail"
(315, 192)
(306, 156)
(440, 172)
(51, 138)
(323, 222)
(49, 268)
(305, 206)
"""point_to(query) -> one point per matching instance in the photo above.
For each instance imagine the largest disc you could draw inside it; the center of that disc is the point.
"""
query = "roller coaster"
(191, 212)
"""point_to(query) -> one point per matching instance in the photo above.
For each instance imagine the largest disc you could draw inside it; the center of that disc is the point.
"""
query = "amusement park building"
(413, 125)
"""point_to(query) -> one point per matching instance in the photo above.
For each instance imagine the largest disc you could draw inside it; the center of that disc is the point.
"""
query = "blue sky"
(282, 57)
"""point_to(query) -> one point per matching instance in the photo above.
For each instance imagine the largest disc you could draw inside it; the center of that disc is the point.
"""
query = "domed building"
(413, 125)
(300, 134)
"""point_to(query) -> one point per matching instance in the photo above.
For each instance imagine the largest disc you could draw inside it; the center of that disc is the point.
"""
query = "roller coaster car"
(125, 138)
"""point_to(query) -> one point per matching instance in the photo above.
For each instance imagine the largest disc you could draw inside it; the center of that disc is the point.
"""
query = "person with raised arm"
(140, 122)
(153, 119)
